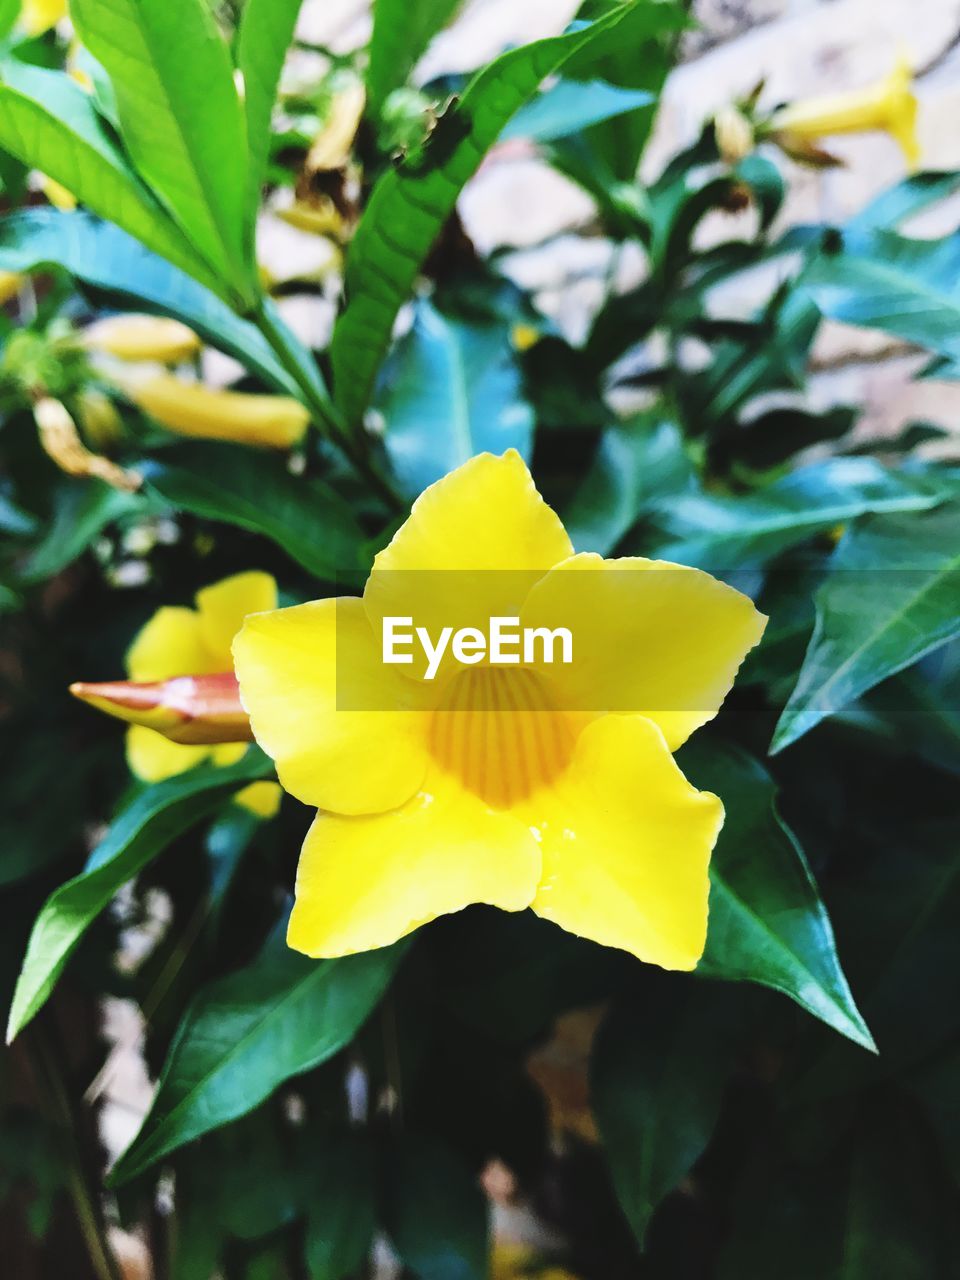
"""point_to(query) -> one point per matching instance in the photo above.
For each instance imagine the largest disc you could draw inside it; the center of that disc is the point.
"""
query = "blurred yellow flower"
(142, 337)
(888, 106)
(520, 787)
(10, 282)
(192, 409)
(57, 194)
(38, 16)
(189, 642)
(509, 1261)
(262, 799)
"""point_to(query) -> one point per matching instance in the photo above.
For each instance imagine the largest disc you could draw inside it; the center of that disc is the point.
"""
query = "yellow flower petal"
(626, 844)
(365, 882)
(224, 605)
(38, 16)
(225, 754)
(650, 637)
(171, 644)
(261, 798)
(470, 549)
(294, 665)
(152, 757)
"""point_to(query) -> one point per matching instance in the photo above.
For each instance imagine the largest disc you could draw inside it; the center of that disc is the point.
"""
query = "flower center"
(498, 733)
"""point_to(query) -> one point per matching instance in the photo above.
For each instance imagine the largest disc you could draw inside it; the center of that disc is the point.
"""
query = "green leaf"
(638, 465)
(106, 258)
(572, 105)
(401, 33)
(143, 829)
(890, 596)
(657, 1076)
(342, 1209)
(181, 120)
(237, 486)
(767, 922)
(451, 390)
(716, 532)
(904, 199)
(263, 37)
(878, 279)
(48, 122)
(249, 1032)
(436, 1215)
(410, 204)
(81, 510)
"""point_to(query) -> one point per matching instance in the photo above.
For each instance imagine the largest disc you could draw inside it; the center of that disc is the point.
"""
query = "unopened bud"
(190, 709)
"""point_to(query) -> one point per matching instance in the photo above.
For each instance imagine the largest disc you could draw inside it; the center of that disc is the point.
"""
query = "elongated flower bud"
(188, 709)
(140, 337)
(191, 409)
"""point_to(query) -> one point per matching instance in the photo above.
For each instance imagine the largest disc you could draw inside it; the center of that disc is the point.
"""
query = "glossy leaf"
(181, 120)
(106, 258)
(911, 196)
(263, 36)
(572, 105)
(716, 532)
(891, 596)
(638, 466)
(878, 279)
(657, 1077)
(156, 816)
(249, 1032)
(341, 1209)
(48, 122)
(410, 204)
(436, 1215)
(767, 922)
(451, 390)
(401, 33)
(240, 487)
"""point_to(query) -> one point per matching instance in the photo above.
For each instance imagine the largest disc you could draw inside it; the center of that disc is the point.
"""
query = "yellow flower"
(10, 282)
(38, 16)
(509, 1261)
(889, 106)
(140, 337)
(190, 642)
(57, 194)
(521, 787)
(262, 799)
(191, 409)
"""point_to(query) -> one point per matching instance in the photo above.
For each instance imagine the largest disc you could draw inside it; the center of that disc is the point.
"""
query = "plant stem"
(324, 412)
(56, 1103)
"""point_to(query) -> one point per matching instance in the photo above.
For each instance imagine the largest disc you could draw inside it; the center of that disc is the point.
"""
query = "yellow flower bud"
(320, 217)
(192, 409)
(734, 134)
(99, 418)
(61, 442)
(888, 106)
(57, 194)
(201, 709)
(142, 337)
(524, 336)
(331, 147)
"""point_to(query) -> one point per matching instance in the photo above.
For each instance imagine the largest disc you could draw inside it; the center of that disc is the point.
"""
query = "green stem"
(56, 1103)
(325, 414)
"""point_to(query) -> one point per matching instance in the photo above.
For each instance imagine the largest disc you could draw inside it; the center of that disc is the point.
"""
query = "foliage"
(790, 1107)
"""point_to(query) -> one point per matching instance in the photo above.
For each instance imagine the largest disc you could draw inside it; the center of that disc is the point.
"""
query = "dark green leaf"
(239, 487)
(47, 121)
(767, 922)
(657, 1078)
(891, 595)
(436, 1215)
(81, 511)
(342, 1209)
(181, 119)
(410, 204)
(451, 390)
(401, 32)
(717, 532)
(638, 465)
(143, 829)
(103, 256)
(249, 1032)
